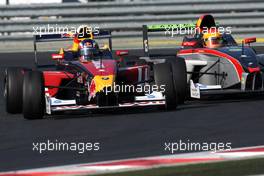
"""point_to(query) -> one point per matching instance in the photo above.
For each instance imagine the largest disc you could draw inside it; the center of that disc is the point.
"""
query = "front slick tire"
(163, 76)
(33, 95)
(179, 77)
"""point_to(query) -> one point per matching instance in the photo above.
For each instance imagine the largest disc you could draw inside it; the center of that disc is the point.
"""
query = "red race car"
(90, 78)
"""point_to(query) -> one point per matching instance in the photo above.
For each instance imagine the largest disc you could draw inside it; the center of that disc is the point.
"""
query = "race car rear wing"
(166, 28)
(161, 28)
(101, 34)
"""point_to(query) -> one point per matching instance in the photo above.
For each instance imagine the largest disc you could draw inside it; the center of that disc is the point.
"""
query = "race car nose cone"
(102, 82)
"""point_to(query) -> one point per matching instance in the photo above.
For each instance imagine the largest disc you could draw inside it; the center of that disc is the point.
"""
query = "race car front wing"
(54, 104)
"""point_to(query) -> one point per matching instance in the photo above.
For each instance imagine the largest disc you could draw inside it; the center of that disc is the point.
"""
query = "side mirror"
(122, 52)
(250, 40)
(57, 56)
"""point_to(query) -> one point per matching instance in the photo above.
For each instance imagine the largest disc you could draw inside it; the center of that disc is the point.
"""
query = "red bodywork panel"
(122, 52)
(54, 78)
(108, 67)
(250, 40)
(126, 75)
(133, 75)
(252, 70)
(190, 43)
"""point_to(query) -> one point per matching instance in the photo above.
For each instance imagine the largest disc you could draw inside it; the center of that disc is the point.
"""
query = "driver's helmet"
(213, 39)
(88, 49)
(82, 33)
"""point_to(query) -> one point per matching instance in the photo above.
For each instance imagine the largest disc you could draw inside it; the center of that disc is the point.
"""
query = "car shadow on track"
(106, 112)
(193, 104)
(209, 102)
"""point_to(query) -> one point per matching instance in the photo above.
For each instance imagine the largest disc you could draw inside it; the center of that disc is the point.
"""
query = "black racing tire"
(179, 77)
(13, 90)
(111, 99)
(163, 76)
(33, 95)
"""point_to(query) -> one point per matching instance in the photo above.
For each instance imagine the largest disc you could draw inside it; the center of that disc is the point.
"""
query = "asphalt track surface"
(124, 133)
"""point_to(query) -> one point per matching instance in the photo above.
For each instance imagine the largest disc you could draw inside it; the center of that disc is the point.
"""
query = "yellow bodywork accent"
(102, 82)
(75, 47)
(61, 51)
(199, 21)
(211, 34)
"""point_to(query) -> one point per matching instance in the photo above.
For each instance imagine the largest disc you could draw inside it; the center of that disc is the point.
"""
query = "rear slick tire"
(33, 95)
(13, 90)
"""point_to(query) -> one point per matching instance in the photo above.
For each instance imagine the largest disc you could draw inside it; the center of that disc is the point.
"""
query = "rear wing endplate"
(161, 28)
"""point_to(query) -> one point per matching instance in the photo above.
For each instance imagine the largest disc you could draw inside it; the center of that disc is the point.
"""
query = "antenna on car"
(243, 48)
(35, 52)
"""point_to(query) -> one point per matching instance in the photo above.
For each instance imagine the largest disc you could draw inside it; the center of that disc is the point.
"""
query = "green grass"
(227, 168)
